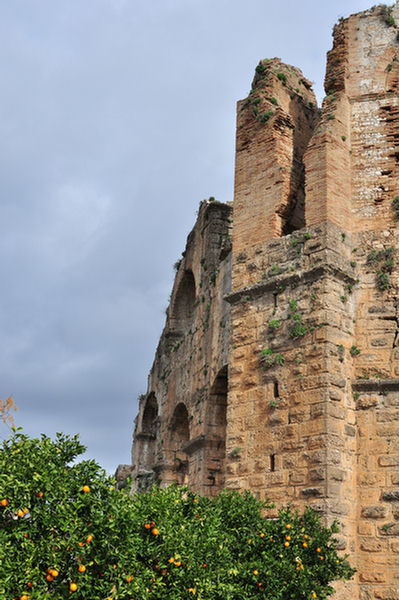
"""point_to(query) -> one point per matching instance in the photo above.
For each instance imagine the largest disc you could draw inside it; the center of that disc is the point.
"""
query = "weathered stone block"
(390, 496)
(374, 512)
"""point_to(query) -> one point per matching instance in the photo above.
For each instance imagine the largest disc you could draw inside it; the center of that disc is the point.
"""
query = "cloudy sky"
(117, 118)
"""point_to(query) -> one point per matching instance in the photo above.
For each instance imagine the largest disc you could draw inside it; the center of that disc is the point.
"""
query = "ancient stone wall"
(278, 369)
(181, 426)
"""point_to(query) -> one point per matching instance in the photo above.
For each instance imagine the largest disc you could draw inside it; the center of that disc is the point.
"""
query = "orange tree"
(66, 532)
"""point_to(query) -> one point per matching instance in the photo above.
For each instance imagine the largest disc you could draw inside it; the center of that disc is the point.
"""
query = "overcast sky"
(117, 117)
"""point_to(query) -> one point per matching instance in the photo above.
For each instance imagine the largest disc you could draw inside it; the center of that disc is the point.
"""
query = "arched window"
(180, 435)
(150, 415)
(184, 302)
(147, 435)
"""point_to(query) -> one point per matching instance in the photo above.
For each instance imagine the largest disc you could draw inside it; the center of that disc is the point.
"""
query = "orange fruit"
(256, 572)
(86, 489)
(73, 587)
(147, 525)
(29, 584)
(81, 568)
(305, 544)
(39, 494)
(49, 577)
(4, 502)
(178, 563)
(89, 538)
(54, 572)
(286, 544)
(20, 513)
(26, 535)
(318, 549)
(81, 543)
(155, 531)
(129, 578)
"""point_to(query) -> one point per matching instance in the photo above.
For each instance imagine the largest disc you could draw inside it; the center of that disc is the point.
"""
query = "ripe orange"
(39, 494)
(20, 513)
(286, 544)
(305, 544)
(86, 489)
(288, 526)
(29, 584)
(129, 578)
(255, 572)
(318, 549)
(49, 577)
(4, 502)
(81, 543)
(73, 587)
(89, 538)
(54, 572)
(26, 535)
(155, 531)
(81, 568)
(147, 525)
(178, 563)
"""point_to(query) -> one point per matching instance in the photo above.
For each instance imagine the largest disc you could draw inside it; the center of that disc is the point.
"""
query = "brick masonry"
(278, 368)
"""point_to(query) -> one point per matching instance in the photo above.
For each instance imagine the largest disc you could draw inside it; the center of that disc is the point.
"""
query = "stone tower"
(278, 368)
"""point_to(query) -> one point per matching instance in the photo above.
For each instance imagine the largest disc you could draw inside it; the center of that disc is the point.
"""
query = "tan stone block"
(372, 577)
(374, 512)
(371, 546)
(366, 528)
(387, 594)
(389, 461)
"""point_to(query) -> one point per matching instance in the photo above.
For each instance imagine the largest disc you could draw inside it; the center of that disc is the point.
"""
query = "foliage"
(395, 203)
(264, 117)
(282, 77)
(66, 532)
(298, 330)
(354, 350)
(6, 406)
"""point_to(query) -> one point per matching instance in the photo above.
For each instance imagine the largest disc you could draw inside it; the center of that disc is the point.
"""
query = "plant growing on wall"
(383, 261)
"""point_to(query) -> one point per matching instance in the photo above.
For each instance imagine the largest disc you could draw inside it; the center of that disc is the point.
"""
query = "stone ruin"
(278, 367)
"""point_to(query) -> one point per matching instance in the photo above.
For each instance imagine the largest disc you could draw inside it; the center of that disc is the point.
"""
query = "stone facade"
(278, 368)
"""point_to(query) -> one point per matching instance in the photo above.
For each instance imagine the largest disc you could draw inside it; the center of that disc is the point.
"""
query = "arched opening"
(150, 415)
(180, 435)
(147, 434)
(216, 430)
(183, 305)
